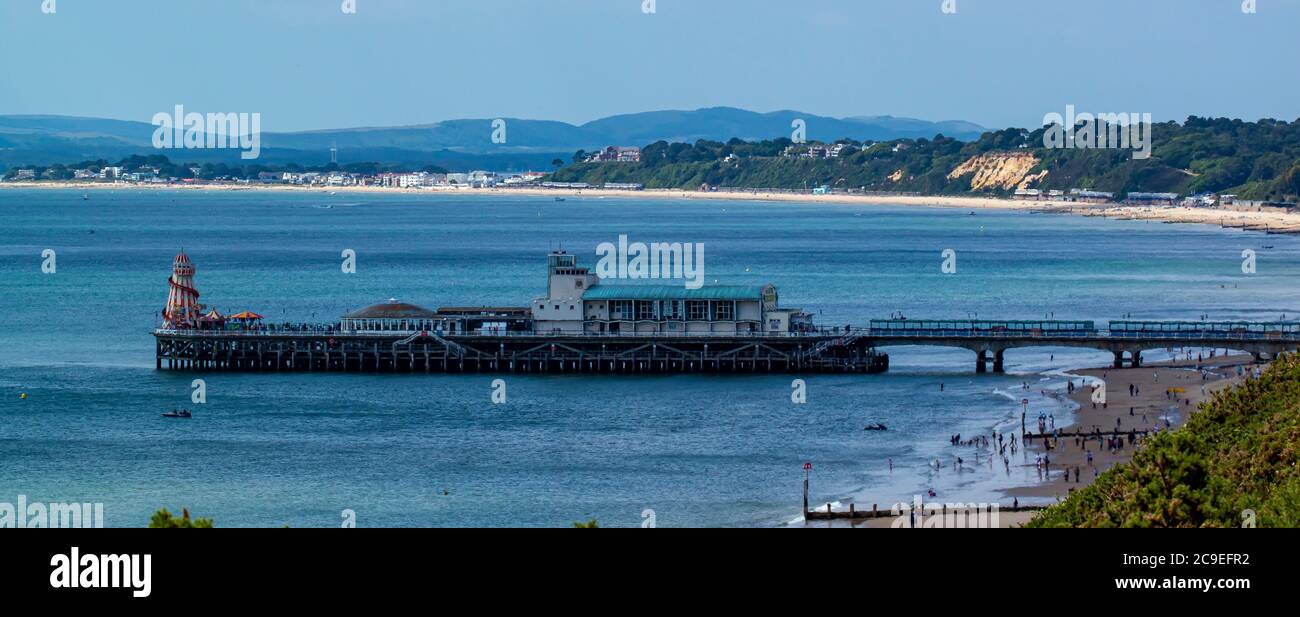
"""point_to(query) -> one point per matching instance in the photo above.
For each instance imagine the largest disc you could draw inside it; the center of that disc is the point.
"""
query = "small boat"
(559, 199)
(184, 413)
(85, 197)
(876, 427)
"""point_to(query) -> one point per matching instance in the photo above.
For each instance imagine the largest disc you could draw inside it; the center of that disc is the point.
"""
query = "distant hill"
(725, 123)
(42, 140)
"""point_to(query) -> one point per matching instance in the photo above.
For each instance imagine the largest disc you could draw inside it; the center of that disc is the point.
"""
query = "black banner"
(149, 566)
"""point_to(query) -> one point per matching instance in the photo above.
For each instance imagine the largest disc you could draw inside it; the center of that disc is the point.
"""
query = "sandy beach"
(1148, 406)
(1136, 399)
(1241, 218)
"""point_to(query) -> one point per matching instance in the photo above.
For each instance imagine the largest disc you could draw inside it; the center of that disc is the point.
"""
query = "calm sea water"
(298, 449)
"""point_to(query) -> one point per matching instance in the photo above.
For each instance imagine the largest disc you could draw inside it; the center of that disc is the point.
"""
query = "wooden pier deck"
(325, 350)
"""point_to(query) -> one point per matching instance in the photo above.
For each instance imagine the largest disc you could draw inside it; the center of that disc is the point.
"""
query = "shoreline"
(1150, 406)
(1266, 222)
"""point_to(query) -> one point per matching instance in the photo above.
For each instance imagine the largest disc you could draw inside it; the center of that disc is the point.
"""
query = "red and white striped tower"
(182, 299)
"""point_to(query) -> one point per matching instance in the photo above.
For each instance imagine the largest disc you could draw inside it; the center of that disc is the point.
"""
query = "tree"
(557, 164)
(591, 524)
(163, 519)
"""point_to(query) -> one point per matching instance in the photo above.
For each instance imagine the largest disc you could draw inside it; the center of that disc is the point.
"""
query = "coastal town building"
(617, 154)
(1090, 196)
(1152, 199)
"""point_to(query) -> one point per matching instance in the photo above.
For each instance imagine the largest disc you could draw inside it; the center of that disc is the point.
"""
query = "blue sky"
(304, 64)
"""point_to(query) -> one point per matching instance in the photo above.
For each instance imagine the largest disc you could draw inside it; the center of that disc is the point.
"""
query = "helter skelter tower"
(182, 299)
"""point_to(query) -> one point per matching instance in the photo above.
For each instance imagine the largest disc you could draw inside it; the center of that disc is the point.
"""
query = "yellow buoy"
(23, 396)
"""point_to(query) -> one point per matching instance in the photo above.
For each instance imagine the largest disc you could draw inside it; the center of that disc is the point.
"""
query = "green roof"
(674, 292)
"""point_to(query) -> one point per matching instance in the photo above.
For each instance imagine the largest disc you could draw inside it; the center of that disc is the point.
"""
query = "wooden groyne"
(853, 513)
(1086, 435)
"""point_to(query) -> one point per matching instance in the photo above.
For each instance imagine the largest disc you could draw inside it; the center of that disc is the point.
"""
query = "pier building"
(578, 301)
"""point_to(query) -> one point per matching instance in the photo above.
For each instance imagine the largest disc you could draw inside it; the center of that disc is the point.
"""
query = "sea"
(83, 277)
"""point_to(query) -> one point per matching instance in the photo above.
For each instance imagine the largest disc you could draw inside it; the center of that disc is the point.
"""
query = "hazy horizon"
(996, 63)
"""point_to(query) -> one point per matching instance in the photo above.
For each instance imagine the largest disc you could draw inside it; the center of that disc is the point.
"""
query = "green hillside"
(1256, 160)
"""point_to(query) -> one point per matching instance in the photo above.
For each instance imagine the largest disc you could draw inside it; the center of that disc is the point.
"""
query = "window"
(620, 309)
(697, 310)
(672, 309)
(724, 311)
(645, 309)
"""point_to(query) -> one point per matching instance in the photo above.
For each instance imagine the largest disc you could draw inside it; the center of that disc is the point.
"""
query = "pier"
(326, 348)
(427, 352)
(586, 324)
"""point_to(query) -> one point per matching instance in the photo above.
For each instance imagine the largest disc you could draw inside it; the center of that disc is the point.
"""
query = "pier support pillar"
(999, 361)
(981, 363)
(1119, 359)
(1137, 359)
